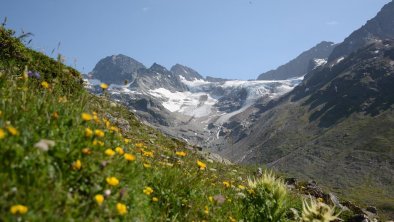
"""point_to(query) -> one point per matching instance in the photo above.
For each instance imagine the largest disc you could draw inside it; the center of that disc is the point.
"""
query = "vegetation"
(68, 155)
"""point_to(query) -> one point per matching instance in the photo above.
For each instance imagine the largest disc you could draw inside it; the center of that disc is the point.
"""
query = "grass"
(67, 155)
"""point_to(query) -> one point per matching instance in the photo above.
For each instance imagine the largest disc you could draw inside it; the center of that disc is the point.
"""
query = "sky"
(234, 39)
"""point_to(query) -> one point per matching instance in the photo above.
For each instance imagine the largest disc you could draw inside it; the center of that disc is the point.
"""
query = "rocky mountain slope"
(302, 64)
(335, 127)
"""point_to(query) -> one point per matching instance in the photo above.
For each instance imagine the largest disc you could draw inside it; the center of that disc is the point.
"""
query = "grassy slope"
(54, 188)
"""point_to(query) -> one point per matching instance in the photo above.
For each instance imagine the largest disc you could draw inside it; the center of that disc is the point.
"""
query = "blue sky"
(236, 39)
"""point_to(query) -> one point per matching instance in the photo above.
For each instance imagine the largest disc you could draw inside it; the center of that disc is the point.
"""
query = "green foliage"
(268, 199)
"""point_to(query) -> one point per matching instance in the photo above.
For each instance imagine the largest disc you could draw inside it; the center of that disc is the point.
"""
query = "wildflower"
(99, 133)
(55, 115)
(2, 134)
(98, 143)
(129, 157)
(201, 165)
(206, 210)
(107, 192)
(119, 150)
(44, 144)
(18, 209)
(62, 99)
(88, 132)
(76, 165)
(139, 145)
(147, 165)
(126, 141)
(113, 181)
(86, 151)
(241, 187)
(148, 190)
(86, 116)
(155, 199)
(45, 84)
(232, 219)
(114, 129)
(109, 152)
(99, 199)
(210, 198)
(121, 208)
(33, 74)
(180, 153)
(147, 153)
(12, 130)
(226, 184)
(103, 86)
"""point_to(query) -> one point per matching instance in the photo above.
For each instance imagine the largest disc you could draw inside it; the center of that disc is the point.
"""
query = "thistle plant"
(267, 199)
(316, 211)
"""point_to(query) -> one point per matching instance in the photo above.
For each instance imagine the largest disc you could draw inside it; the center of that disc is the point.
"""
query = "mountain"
(301, 64)
(380, 27)
(335, 127)
(181, 103)
(116, 69)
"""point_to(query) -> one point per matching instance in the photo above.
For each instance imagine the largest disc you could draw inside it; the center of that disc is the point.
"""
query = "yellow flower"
(226, 184)
(201, 165)
(148, 190)
(206, 210)
(86, 151)
(104, 86)
(99, 133)
(181, 153)
(126, 141)
(98, 143)
(122, 209)
(45, 84)
(86, 116)
(241, 187)
(12, 130)
(18, 209)
(129, 157)
(114, 129)
(2, 134)
(55, 115)
(99, 199)
(109, 152)
(210, 198)
(139, 145)
(113, 181)
(232, 219)
(147, 153)
(155, 199)
(76, 165)
(119, 150)
(88, 132)
(147, 165)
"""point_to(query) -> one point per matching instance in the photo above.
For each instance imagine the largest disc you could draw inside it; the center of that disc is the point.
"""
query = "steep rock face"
(116, 69)
(300, 65)
(380, 27)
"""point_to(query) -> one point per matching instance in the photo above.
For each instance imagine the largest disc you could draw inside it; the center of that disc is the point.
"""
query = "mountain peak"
(188, 73)
(158, 68)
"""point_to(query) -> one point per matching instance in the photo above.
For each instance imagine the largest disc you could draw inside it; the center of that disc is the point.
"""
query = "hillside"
(68, 155)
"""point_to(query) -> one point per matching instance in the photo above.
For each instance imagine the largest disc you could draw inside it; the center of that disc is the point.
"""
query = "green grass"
(60, 183)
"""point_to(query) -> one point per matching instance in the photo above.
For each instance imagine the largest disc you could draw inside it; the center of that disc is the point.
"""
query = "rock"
(359, 218)
(354, 208)
(314, 190)
(291, 181)
(372, 209)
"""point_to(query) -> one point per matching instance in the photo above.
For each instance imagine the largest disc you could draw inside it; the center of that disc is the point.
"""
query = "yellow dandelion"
(98, 143)
(99, 199)
(155, 199)
(147, 165)
(109, 152)
(129, 157)
(104, 86)
(139, 145)
(201, 165)
(86, 151)
(119, 150)
(180, 153)
(88, 132)
(114, 129)
(76, 165)
(148, 190)
(147, 153)
(121, 208)
(210, 198)
(226, 184)
(12, 130)
(2, 134)
(241, 187)
(113, 181)
(86, 116)
(18, 209)
(127, 141)
(99, 133)
(45, 84)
